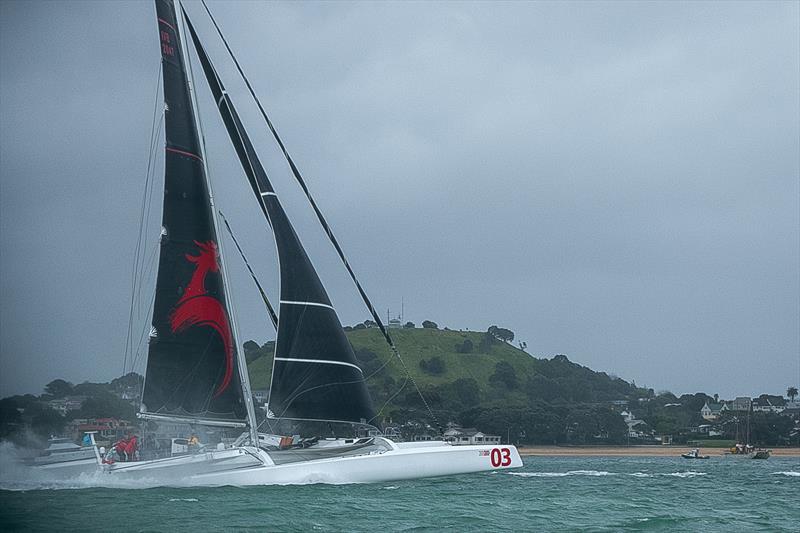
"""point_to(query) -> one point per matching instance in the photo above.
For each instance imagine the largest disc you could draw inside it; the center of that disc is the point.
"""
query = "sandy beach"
(633, 451)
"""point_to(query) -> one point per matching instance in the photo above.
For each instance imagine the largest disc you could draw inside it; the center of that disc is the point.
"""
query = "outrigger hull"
(246, 466)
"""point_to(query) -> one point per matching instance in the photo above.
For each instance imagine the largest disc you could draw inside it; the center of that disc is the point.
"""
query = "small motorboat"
(65, 458)
(694, 454)
(748, 451)
(760, 454)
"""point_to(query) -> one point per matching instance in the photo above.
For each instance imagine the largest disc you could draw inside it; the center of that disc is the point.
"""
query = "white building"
(765, 405)
(462, 436)
(741, 403)
(712, 411)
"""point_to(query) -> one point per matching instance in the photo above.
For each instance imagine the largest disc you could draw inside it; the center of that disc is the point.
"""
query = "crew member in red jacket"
(120, 447)
(131, 447)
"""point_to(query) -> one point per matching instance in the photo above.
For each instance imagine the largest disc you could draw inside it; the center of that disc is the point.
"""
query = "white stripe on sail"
(317, 304)
(323, 361)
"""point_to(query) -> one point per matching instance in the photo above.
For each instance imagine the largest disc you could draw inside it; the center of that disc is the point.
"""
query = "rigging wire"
(138, 258)
(146, 327)
(270, 309)
(299, 178)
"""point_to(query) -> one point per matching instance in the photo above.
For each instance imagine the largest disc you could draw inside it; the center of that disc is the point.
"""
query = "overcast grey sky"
(618, 182)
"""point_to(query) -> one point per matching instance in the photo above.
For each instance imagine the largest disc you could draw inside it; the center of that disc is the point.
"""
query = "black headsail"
(192, 371)
(315, 374)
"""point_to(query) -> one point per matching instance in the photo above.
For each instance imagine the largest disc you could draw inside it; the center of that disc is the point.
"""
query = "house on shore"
(463, 436)
(712, 411)
(67, 403)
(741, 404)
(108, 429)
(637, 429)
(769, 404)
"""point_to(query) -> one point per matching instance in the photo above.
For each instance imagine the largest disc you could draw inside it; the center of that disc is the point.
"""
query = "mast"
(193, 374)
(244, 376)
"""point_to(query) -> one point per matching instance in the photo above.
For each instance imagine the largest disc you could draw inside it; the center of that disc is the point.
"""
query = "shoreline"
(635, 451)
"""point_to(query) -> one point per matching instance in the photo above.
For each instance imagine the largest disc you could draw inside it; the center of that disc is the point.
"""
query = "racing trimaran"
(196, 374)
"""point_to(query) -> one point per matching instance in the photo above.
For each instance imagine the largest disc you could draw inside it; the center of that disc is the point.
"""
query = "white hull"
(247, 466)
(67, 469)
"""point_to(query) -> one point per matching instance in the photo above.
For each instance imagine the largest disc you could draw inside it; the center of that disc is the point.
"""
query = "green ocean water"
(548, 494)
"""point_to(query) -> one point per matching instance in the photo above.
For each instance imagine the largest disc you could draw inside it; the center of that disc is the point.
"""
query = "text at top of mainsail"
(315, 373)
(191, 364)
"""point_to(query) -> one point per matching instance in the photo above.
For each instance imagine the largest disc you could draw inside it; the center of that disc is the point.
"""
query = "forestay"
(315, 372)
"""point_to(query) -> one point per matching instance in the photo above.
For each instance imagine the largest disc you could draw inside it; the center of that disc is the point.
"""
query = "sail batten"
(191, 365)
(330, 385)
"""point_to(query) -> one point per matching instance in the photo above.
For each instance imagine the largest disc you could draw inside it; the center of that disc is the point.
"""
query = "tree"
(370, 324)
(505, 375)
(131, 380)
(769, 429)
(58, 388)
(503, 334)
(540, 387)
(44, 421)
(433, 366)
(791, 392)
(464, 347)
(428, 324)
(369, 362)
(466, 391)
(105, 406)
(409, 325)
(10, 417)
(485, 346)
(252, 351)
(593, 424)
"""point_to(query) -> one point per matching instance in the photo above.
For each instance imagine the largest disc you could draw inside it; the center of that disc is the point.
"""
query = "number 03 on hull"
(383, 461)
(404, 461)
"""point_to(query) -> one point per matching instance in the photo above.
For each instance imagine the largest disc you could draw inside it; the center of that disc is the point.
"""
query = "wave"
(562, 474)
(184, 500)
(790, 473)
(687, 474)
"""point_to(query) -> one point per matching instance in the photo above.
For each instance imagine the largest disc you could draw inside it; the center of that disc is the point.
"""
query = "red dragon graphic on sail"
(197, 308)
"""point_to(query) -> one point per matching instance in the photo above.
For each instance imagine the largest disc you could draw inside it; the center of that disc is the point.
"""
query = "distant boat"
(760, 454)
(748, 452)
(65, 458)
(694, 454)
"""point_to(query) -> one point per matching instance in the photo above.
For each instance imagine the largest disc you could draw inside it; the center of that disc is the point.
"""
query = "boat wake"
(562, 474)
(687, 474)
(17, 476)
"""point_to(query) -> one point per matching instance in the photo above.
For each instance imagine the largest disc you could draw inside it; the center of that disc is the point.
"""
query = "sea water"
(548, 494)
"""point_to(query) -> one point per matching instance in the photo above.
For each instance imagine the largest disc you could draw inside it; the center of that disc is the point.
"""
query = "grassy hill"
(546, 379)
(418, 344)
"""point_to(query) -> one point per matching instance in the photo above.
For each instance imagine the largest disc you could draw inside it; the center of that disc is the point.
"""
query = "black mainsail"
(192, 372)
(315, 373)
